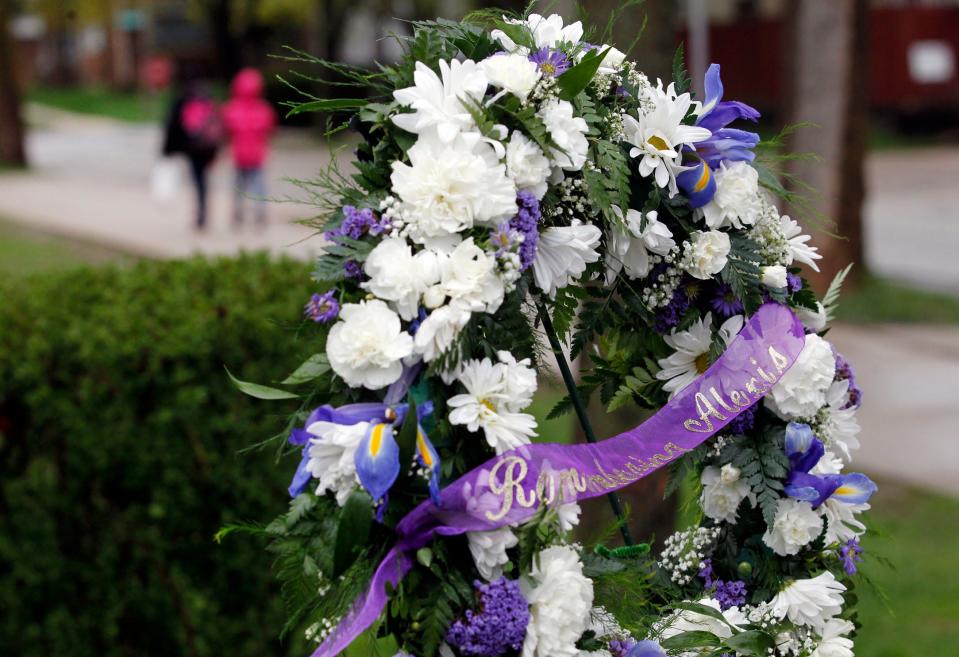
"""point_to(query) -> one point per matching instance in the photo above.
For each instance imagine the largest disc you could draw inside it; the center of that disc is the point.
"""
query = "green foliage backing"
(119, 439)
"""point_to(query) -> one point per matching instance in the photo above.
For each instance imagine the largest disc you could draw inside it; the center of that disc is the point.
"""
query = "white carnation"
(796, 525)
(560, 597)
(562, 255)
(398, 276)
(723, 491)
(489, 550)
(468, 276)
(332, 455)
(439, 330)
(834, 641)
(367, 346)
(810, 601)
(519, 381)
(450, 187)
(707, 254)
(568, 132)
(513, 73)
(802, 389)
(737, 201)
(526, 164)
(774, 277)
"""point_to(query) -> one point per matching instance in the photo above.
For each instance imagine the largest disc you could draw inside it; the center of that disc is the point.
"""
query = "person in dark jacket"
(194, 129)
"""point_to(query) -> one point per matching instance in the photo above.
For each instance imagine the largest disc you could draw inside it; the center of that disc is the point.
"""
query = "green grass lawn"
(882, 300)
(125, 106)
(23, 252)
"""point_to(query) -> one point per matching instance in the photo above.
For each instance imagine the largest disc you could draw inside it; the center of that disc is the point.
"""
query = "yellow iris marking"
(658, 143)
(701, 362)
(424, 452)
(376, 439)
(845, 490)
(703, 180)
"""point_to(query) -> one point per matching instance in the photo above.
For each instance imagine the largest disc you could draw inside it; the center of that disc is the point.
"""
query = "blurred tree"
(11, 120)
(826, 44)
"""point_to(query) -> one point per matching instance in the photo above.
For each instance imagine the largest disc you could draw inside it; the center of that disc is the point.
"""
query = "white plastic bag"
(164, 179)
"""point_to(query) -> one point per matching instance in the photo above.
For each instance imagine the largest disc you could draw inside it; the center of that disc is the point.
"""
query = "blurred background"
(120, 437)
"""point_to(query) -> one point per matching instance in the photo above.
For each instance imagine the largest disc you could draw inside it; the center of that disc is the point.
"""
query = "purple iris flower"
(698, 184)
(725, 143)
(804, 451)
(850, 554)
(646, 649)
(550, 62)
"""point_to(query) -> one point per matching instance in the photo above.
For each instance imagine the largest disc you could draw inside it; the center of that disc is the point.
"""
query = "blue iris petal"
(855, 488)
(302, 476)
(814, 489)
(698, 184)
(802, 447)
(429, 458)
(714, 88)
(378, 460)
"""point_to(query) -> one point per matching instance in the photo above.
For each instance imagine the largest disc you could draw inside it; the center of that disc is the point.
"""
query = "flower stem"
(581, 414)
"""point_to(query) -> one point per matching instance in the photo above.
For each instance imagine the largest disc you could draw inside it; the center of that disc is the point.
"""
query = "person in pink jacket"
(249, 122)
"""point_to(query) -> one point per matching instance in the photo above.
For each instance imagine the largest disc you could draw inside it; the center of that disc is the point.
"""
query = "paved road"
(90, 180)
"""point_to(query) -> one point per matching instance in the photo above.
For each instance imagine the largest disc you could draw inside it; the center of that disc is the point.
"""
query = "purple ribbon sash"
(509, 488)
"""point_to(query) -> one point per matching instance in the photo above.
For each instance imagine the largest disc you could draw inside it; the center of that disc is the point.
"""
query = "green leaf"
(312, 368)
(518, 32)
(260, 391)
(680, 75)
(830, 300)
(327, 105)
(578, 77)
(353, 531)
(705, 610)
(690, 640)
(752, 643)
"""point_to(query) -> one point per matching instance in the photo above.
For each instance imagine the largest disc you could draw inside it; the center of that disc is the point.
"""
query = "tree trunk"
(828, 39)
(11, 121)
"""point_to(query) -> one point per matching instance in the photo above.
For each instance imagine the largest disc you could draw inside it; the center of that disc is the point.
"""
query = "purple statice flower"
(498, 626)
(322, 308)
(357, 223)
(526, 223)
(668, 317)
(730, 594)
(743, 422)
(550, 62)
(725, 302)
(352, 269)
(621, 647)
(845, 372)
(793, 282)
(850, 554)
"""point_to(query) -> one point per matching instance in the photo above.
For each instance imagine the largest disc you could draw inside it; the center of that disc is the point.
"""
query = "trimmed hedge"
(119, 439)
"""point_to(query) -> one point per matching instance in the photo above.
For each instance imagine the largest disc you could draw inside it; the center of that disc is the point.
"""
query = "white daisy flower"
(684, 620)
(841, 522)
(628, 247)
(810, 602)
(563, 253)
(367, 346)
(691, 357)
(657, 137)
(513, 73)
(547, 33)
(799, 250)
(836, 426)
(560, 597)
(834, 641)
(437, 101)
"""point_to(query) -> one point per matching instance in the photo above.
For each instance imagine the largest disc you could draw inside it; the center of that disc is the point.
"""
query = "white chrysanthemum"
(468, 276)
(691, 621)
(437, 101)
(563, 253)
(836, 426)
(737, 202)
(834, 641)
(796, 244)
(367, 346)
(810, 601)
(547, 32)
(657, 137)
(398, 276)
(489, 550)
(526, 164)
(450, 187)
(568, 132)
(706, 254)
(796, 525)
(332, 455)
(842, 525)
(774, 277)
(560, 597)
(829, 464)
(802, 389)
(568, 516)
(723, 492)
(519, 381)
(691, 357)
(487, 406)
(628, 246)
(439, 330)
(513, 73)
